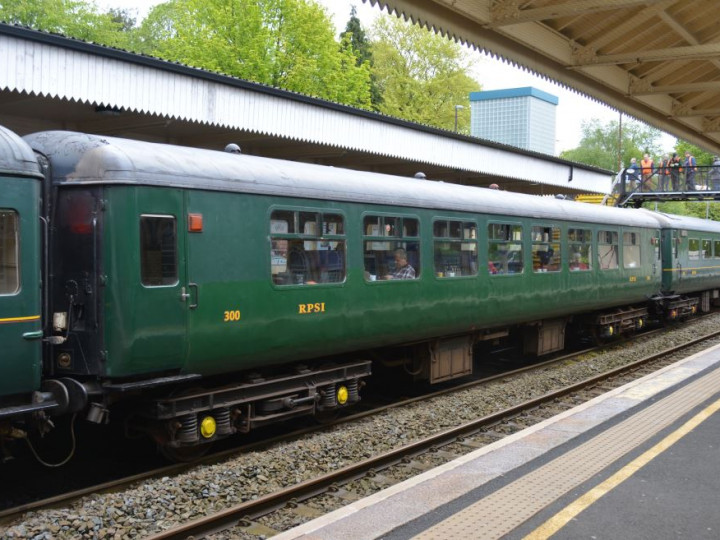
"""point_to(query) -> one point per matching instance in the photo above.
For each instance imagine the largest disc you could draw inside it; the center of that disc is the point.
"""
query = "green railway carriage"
(277, 266)
(20, 300)
(216, 292)
(691, 257)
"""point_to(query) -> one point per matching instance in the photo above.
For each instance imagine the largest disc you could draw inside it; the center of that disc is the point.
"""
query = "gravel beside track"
(163, 503)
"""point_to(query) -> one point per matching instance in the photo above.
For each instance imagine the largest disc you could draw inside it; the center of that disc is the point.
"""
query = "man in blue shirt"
(632, 175)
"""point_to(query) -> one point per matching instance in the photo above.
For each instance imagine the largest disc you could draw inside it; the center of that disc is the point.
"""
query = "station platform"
(641, 461)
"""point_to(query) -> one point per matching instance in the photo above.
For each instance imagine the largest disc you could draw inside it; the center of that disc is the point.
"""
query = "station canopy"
(656, 60)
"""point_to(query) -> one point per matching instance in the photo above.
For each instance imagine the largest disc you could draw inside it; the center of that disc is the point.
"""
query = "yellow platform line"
(20, 319)
(559, 520)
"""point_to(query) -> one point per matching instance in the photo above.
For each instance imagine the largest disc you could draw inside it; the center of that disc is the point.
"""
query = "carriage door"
(677, 259)
(220, 260)
(656, 254)
(20, 321)
(160, 308)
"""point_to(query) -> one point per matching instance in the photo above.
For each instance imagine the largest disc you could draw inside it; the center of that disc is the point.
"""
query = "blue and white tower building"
(521, 117)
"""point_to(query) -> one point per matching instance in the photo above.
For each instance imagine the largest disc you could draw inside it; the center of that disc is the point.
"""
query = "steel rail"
(9, 514)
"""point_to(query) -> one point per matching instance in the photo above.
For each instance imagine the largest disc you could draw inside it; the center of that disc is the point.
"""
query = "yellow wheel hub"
(342, 395)
(208, 427)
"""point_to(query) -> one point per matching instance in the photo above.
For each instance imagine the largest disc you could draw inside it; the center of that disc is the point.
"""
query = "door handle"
(197, 295)
(184, 295)
(37, 334)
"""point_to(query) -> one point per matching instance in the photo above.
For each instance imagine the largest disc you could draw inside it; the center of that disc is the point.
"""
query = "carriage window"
(505, 249)
(307, 248)
(694, 249)
(391, 248)
(607, 250)
(580, 246)
(631, 250)
(546, 249)
(9, 252)
(716, 246)
(707, 249)
(158, 251)
(456, 252)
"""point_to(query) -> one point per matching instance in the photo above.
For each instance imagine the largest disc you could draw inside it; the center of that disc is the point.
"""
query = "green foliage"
(362, 49)
(421, 75)
(701, 157)
(68, 17)
(228, 37)
(682, 208)
(599, 144)
(283, 43)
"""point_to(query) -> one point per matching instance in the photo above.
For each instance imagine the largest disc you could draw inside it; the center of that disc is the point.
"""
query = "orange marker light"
(195, 223)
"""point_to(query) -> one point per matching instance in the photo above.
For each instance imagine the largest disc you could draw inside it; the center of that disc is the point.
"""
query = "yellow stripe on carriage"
(690, 269)
(20, 319)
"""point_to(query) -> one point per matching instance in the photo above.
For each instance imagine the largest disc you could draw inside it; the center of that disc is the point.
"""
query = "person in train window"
(403, 270)
(577, 263)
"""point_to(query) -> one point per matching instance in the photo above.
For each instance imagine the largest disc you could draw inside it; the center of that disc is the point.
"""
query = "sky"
(492, 74)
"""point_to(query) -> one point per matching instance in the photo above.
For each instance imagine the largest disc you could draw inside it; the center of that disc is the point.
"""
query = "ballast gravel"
(162, 503)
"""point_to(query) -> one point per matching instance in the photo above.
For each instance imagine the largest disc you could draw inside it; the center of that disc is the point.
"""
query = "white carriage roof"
(671, 221)
(56, 68)
(92, 160)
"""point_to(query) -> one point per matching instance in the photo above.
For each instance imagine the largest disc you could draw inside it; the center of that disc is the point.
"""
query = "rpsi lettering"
(306, 309)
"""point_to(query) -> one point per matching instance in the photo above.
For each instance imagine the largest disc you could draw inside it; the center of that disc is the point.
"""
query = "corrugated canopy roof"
(52, 82)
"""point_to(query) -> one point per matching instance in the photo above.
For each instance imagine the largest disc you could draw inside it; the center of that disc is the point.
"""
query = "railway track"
(449, 444)
(409, 457)
(9, 514)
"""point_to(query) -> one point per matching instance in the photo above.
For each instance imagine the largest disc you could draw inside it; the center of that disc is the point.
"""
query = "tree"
(68, 17)
(700, 209)
(701, 157)
(283, 43)
(421, 75)
(228, 37)
(599, 143)
(362, 48)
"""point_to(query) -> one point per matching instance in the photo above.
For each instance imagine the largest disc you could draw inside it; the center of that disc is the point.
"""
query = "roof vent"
(420, 175)
(233, 148)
